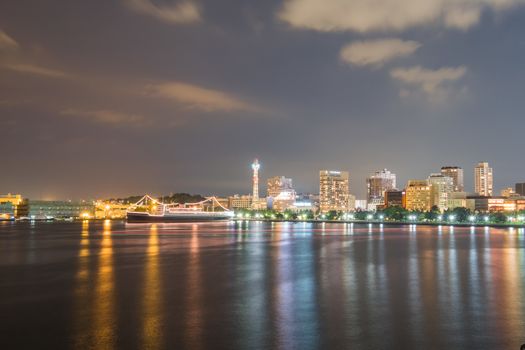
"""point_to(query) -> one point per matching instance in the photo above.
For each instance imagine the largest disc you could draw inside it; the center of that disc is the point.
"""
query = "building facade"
(377, 184)
(395, 198)
(520, 189)
(418, 194)
(281, 194)
(483, 179)
(333, 191)
(40, 209)
(240, 202)
(14, 205)
(456, 173)
(442, 187)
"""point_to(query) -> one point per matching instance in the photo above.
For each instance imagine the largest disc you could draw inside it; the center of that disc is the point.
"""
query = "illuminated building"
(13, 205)
(360, 204)
(456, 173)
(40, 209)
(377, 184)
(520, 188)
(395, 198)
(483, 179)
(240, 202)
(333, 190)
(281, 193)
(508, 192)
(418, 195)
(460, 200)
(110, 210)
(442, 186)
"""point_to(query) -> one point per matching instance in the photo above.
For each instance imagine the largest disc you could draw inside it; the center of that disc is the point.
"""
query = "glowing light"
(472, 218)
(452, 217)
(486, 218)
(85, 215)
(369, 217)
(440, 217)
(381, 217)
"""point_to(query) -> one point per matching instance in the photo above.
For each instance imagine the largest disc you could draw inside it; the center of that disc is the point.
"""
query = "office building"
(395, 198)
(333, 190)
(442, 186)
(281, 194)
(41, 209)
(240, 202)
(520, 188)
(483, 179)
(456, 173)
(508, 192)
(377, 184)
(13, 205)
(418, 195)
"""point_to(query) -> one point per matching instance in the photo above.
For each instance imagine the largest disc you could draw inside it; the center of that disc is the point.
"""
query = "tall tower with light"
(255, 191)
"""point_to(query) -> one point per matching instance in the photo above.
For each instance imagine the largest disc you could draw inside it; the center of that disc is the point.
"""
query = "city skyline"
(102, 99)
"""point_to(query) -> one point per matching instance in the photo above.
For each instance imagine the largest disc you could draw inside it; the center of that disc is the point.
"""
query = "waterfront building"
(442, 187)
(110, 210)
(377, 184)
(520, 188)
(351, 202)
(456, 173)
(240, 202)
(418, 194)
(483, 179)
(14, 205)
(361, 204)
(281, 194)
(395, 198)
(40, 209)
(460, 200)
(333, 190)
(508, 192)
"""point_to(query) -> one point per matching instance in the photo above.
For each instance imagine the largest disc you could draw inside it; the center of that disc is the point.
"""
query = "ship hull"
(146, 217)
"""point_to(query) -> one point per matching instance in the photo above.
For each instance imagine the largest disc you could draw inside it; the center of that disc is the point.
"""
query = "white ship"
(148, 209)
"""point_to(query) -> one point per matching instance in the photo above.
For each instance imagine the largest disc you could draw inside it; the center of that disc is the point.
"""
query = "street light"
(472, 218)
(452, 218)
(369, 217)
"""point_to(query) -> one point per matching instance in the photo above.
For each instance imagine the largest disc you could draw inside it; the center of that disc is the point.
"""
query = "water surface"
(105, 285)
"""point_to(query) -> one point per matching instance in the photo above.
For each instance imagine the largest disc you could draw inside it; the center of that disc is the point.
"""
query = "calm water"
(260, 286)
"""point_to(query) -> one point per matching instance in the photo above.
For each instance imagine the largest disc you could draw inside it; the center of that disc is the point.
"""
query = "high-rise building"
(520, 188)
(483, 179)
(418, 195)
(377, 184)
(394, 198)
(333, 190)
(281, 193)
(456, 173)
(442, 187)
(256, 203)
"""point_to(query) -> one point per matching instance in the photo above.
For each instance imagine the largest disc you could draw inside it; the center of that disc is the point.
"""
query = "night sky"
(107, 98)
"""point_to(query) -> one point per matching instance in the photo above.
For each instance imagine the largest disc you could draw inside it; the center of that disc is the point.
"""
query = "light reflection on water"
(264, 285)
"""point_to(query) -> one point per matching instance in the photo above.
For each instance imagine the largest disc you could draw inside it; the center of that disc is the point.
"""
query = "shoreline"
(312, 221)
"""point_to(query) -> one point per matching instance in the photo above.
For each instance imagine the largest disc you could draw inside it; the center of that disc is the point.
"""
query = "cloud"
(431, 82)
(7, 43)
(200, 98)
(37, 70)
(387, 15)
(108, 117)
(181, 13)
(377, 52)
